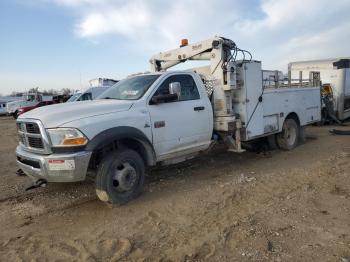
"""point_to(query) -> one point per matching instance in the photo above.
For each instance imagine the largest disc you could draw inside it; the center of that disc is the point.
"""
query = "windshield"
(132, 88)
(30, 97)
(74, 97)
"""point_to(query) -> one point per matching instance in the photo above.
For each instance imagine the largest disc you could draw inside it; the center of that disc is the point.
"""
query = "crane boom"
(203, 50)
(218, 51)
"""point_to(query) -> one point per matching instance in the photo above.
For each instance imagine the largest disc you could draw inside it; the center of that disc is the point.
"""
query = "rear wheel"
(288, 138)
(120, 177)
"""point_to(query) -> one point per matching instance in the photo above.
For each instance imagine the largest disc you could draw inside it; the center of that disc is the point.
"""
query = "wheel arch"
(294, 116)
(123, 136)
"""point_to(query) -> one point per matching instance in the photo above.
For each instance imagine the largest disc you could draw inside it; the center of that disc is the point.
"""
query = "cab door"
(181, 126)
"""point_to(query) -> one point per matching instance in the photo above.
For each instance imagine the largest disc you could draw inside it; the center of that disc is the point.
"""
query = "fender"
(120, 133)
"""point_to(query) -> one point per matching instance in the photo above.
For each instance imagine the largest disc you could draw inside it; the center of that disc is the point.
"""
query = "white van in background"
(89, 94)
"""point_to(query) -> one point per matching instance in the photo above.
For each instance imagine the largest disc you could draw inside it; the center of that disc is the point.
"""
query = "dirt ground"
(274, 206)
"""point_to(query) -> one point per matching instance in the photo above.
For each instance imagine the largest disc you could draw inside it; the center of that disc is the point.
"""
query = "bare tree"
(45, 92)
(66, 91)
(33, 90)
(49, 92)
(14, 93)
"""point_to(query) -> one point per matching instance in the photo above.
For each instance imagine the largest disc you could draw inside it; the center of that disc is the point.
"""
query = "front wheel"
(15, 115)
(120, 177)
(288, 138)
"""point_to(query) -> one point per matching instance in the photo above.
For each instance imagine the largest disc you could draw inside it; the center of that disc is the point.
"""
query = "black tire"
(271, 140)
(289, 137)
(324, 117)
(302, 135)
(120, 177)
(15, 115)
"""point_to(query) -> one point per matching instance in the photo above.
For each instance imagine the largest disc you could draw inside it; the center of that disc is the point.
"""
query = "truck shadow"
(210, 164)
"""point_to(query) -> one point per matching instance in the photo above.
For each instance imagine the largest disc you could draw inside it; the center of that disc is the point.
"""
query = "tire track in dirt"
(220, 207)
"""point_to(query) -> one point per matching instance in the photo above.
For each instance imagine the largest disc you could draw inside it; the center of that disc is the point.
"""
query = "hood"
(14, 103)
(56, 115)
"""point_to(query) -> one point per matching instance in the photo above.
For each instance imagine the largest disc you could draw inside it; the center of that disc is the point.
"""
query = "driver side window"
(189, 89)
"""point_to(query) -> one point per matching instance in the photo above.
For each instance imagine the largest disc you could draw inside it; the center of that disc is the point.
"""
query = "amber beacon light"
(184, 42)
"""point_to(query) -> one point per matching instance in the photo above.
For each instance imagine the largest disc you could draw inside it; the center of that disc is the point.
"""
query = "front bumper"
(40, 166)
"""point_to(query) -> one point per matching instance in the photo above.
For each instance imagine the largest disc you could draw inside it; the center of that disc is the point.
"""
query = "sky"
(55, 44)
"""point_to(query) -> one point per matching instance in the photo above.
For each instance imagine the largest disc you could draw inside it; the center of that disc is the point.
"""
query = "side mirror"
(175, 88)
(159, 99)
(174, 94)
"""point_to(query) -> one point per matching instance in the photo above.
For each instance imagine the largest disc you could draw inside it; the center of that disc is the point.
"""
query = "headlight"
(20, 110)
(66, 137)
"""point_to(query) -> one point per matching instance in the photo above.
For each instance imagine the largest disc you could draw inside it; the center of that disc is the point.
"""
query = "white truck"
(97, 87)
(335, 77)
(90, 94)
(29, 99)
(162, 117)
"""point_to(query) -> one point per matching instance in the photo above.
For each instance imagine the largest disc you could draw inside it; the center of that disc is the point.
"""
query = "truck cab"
(139, 114)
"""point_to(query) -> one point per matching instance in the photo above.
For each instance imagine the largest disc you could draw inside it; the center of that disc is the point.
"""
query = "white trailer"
(334, 72)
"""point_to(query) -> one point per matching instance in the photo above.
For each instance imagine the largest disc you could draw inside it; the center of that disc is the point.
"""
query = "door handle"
(198, 108)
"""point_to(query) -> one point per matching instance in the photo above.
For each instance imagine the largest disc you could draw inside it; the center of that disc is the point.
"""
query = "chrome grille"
(35, 142)
(30, 136)
(32, 128)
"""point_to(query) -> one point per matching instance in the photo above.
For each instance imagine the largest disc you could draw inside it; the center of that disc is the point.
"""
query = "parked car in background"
(40, 104)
